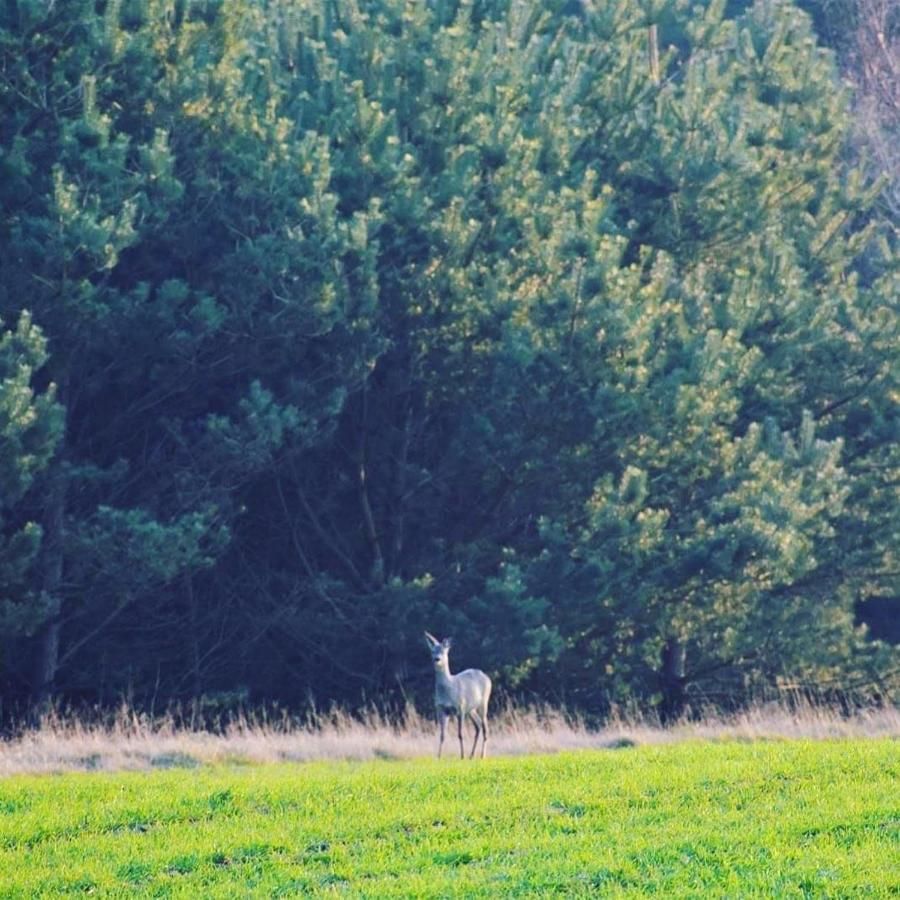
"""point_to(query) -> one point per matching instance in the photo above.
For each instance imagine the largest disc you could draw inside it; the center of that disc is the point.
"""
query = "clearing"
(695, 819)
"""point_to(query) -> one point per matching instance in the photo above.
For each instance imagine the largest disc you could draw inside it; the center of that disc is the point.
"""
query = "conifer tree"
(29, 431)
(489, 316)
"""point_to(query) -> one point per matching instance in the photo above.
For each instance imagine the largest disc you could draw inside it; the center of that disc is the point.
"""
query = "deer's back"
(467, 690)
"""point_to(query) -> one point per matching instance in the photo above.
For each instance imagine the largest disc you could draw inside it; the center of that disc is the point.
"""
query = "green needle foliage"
(373, 316)
(30, 428)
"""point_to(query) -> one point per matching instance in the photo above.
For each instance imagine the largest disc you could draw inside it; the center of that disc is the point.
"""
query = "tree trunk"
(653, 52)
(51, 561)
(378, 567)
(195, 653)
(673, 680)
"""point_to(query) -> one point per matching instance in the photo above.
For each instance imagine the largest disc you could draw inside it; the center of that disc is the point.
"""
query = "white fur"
(465, 694)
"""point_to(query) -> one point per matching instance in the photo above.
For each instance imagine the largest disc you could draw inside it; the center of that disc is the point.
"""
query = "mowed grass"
(700, 819)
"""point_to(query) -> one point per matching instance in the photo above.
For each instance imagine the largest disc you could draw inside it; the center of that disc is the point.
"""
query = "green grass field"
(767, 819)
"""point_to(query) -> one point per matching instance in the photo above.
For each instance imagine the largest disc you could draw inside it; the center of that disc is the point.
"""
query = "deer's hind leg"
(474, 717)
(484, 729)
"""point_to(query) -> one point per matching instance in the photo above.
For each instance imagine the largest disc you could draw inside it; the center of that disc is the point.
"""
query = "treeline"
(327, 322)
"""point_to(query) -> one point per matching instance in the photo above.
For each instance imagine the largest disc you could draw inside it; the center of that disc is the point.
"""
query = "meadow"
(697, 818)
(66, 741)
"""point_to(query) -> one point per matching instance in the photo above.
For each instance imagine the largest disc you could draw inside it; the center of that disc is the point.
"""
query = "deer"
(464, 694)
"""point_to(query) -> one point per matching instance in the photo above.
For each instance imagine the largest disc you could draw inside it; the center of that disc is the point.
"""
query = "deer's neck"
(442, 673)
(444, 686)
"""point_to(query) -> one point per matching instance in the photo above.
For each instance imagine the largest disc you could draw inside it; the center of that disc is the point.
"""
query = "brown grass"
(133, 741)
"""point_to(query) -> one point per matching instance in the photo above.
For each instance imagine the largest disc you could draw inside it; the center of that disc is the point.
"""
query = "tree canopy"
(328, 322)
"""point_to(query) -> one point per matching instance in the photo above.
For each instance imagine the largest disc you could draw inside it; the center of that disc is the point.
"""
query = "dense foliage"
(328, 322)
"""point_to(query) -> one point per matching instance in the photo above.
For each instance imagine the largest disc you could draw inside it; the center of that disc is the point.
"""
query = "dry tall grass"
(133, 741)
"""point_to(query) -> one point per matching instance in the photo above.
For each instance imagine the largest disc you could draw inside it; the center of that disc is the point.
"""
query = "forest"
(567, 329)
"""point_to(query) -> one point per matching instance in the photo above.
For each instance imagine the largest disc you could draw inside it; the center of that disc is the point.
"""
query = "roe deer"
(464, 694)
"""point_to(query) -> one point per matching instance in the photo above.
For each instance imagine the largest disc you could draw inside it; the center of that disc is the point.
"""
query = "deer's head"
(439, 650)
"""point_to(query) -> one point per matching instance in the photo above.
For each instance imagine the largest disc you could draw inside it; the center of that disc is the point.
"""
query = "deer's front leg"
(462, 751)
(442, 716)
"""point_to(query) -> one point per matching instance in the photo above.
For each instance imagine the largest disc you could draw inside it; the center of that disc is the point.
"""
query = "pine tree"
(482, 316)
(30, 423)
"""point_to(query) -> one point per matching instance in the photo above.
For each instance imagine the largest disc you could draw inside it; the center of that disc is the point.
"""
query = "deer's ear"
(432, 640)
(448, 642)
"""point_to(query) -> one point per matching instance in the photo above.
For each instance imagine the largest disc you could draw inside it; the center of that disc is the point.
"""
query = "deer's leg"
(474, 718)
(483, 731)
(442, 715)
(462, 752)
